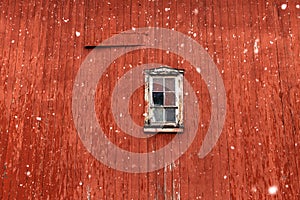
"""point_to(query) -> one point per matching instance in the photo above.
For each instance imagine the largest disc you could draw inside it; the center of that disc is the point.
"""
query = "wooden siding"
(255, 45)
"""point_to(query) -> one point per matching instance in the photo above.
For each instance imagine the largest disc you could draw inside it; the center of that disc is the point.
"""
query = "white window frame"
(150, 125)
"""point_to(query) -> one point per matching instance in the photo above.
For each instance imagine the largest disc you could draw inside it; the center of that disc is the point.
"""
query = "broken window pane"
(158, 98)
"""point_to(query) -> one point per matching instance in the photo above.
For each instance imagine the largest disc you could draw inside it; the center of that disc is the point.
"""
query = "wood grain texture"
(255, 45)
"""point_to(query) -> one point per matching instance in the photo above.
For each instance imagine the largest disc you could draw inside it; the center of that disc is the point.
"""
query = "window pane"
(170, 114)
(170, 98)
(158, 98)
(158, 114)
(170, 84)
(158, 84)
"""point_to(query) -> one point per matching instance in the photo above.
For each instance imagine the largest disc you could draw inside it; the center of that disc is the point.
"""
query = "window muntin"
(163, 99)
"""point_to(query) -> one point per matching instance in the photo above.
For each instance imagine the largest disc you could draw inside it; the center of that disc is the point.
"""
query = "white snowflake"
(254, 189)
(256, 46)
(283, 6)
(273, 190)
(65, 20)
(196, 11)
(77, 33)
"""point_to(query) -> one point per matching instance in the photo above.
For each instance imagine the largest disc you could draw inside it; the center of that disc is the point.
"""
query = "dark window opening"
(158, 98)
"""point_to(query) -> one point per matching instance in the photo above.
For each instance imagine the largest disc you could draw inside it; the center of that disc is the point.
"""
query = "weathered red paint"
(41, 156)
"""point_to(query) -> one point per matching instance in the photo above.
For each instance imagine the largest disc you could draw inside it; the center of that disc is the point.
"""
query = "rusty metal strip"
(113, 46)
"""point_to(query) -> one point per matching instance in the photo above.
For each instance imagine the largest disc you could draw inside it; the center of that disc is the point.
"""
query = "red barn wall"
(41, 155)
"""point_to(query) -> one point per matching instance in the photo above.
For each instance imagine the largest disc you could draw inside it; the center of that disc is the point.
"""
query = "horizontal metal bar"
(113, 46)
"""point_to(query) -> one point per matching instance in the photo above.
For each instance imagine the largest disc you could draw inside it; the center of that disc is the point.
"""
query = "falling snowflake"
(65, 20)
(256, 46)
(273, 190)
(283, 6)
(77, 33)
(195, 11)
(254, 189)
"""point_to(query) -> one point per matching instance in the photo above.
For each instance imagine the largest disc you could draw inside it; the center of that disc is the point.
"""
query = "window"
(164, 100)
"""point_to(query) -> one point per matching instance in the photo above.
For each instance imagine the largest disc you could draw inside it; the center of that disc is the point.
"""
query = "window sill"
(154, 130)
